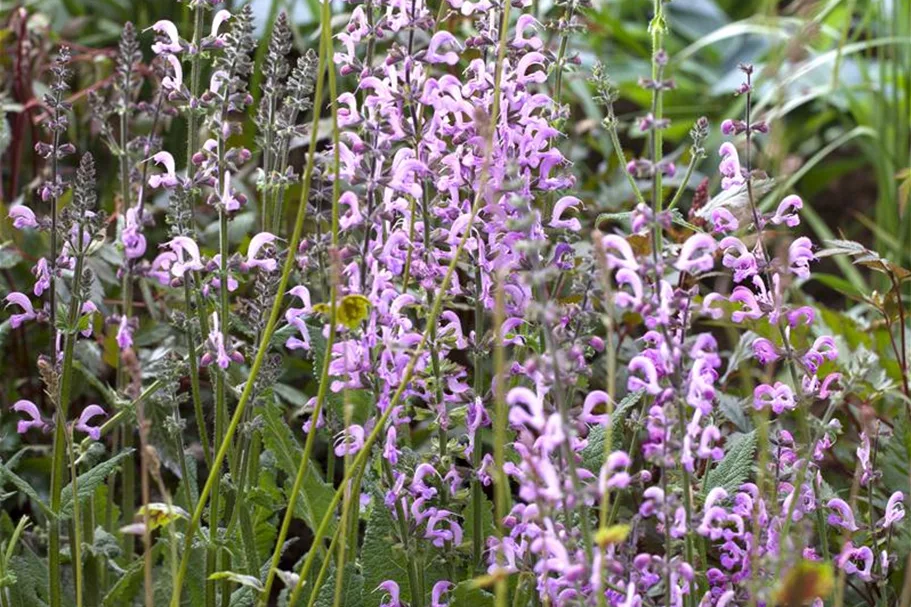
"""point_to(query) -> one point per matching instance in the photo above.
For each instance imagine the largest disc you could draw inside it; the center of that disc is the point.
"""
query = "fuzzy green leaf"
(88, 481)
(593, 454)
(734, 469)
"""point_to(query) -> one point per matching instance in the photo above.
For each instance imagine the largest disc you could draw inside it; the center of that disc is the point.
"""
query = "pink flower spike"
(556, 221)
(168, 30)
(82, 424)
(23, 217)
(30, 409)
(21, 300)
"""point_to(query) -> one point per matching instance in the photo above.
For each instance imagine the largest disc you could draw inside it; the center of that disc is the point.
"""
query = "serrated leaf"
(22, 485)
(734, 469)
(316, 494)
(88, 481)
(130, 581)
(593, 454)
(352, 594)
(384, 558)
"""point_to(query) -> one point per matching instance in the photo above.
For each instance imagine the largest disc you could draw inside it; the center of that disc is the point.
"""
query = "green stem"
(261, 351)
(324, 66)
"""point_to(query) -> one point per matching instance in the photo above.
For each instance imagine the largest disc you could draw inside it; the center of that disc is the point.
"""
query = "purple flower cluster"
(450, 144)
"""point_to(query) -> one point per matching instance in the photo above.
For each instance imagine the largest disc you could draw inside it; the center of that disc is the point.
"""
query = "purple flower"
(439, 40)
(440, 537)
(169, 179)
(841, 515)
(648, 381)
(391, 589)
(800, 254)
(124, 333)
(724, 221)
(218, 351)
(593, 400)
(183, 246)
(850, 557)
(28, 407)
(134, 243)
(696, 254)
(895, 510)
(21, 300)
(42, 274)
(352, 216)
(779, 397)
(82, 424)
(738, 258)
(531, 414)
(23, 217)
(557, 221)
(349, 441)
(764, 351)
(439, 589)
(175, 83)
(256, 244)
(730, 167)
(787, 212)
(168, 30)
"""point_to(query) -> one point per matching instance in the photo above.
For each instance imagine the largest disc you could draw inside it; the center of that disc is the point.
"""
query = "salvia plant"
(387, 357)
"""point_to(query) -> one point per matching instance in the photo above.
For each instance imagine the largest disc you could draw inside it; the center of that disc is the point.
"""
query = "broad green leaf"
(467, 594)
(352, 594)
(383, 557)
(88, 481)
(316, 494)
(734, 469)
(130, 581)
(22, 485)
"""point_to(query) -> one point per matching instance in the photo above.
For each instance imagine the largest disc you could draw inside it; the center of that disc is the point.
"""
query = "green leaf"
(316, 494)
(20, 483)
(238, 578)
(593, 454)
(30, 589)
(383, 557)
(734, 469)
(88, 481)
(467, 594)
(352, 594)
(9, 255)
(130, 581)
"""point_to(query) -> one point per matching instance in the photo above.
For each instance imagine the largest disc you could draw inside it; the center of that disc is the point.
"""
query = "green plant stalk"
(268, 331)
(195, 394)
(58, 467)
(477, 497)
(322, 393)
(501, 482)
(65, 447)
